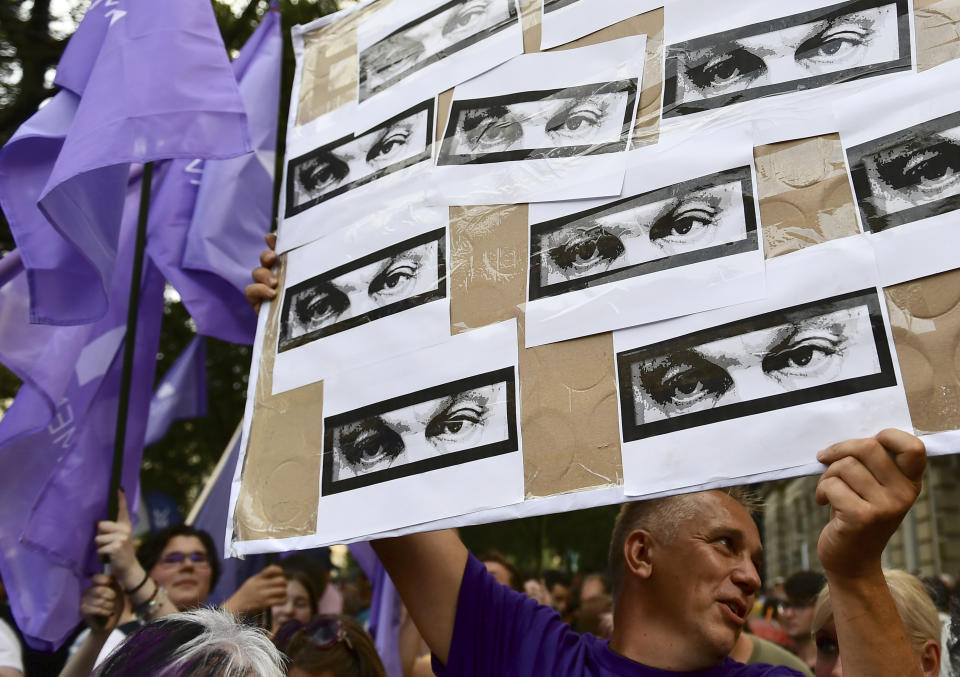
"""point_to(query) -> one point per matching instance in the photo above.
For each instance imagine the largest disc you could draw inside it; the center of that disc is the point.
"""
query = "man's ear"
(930, 658)
(638, 554)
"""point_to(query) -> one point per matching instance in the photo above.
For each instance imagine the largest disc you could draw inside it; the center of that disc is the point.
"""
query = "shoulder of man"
(765, 651)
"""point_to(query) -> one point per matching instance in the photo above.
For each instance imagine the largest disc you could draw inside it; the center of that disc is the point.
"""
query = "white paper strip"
(780, 65)
(902, 146)
(563, 21)
(811, 364)
(364, 294)
(679, 240)
(547, 126)
(412, 50)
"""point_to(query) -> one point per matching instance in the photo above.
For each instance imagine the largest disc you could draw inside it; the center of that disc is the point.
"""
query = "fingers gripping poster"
(544, 255)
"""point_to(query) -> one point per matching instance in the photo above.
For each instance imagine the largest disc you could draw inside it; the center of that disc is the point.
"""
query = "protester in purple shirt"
(686, 570)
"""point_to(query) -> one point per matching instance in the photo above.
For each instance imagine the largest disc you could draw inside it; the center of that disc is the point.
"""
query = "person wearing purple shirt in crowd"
(686, 571)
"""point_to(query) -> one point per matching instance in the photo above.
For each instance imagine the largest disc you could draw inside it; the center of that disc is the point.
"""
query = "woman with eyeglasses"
(328, 646)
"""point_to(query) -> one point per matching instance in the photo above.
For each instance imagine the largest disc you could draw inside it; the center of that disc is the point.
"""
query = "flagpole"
(129, 343)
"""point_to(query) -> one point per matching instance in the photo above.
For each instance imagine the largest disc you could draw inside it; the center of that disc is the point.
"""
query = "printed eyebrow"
(473, 118)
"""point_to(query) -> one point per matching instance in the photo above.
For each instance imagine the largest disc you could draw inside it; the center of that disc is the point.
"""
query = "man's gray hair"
(661, 517)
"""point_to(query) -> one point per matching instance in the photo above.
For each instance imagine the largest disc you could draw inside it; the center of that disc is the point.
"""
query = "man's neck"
(653, 644)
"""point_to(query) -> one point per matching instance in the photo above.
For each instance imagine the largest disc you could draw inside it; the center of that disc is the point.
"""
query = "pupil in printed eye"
(574, 123)
(688, 387)
(831, 47)
(587, 250)
(454, 426)
(801, 356)
(725, 69)
(933, 169)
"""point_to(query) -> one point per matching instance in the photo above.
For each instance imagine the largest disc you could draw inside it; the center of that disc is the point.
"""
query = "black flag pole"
(129, 342)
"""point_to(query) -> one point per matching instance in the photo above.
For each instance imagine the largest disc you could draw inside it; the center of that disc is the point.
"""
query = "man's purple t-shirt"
(502, 633)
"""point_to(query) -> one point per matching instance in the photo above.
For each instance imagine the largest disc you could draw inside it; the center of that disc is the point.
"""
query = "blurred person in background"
(916, 611)
(329, 646)
(796, 613)
(301, 602)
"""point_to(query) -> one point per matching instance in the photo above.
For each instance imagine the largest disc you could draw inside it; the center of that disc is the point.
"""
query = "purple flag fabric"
(153, 82)
(182, 393)
(385, 608)
(56, 442)
(235, 201)
(210, 216)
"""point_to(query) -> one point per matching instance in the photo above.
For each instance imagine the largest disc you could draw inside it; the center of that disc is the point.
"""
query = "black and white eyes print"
(909, 175)
(811, 352)
(692, 221)
(583, 120)
(835, 44)
(430, 38)
(385, 282)
(434, 428)
(353, 161)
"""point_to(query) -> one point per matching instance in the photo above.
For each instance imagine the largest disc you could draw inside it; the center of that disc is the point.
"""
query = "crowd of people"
(683, 595)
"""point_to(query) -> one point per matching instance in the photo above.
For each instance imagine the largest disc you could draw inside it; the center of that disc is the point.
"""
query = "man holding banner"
(686, 573)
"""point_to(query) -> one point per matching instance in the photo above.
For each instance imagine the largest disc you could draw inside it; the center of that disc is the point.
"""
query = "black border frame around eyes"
(632, 430)
(472, 39)
(540, 230)
(284, 342)
(673, 108)
(554, 5)
(294, 164)
(445, 157)
(507, 375)
(874, 219)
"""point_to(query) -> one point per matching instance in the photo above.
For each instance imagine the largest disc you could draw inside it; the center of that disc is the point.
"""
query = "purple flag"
(385, 608)
(154, 82)
(182, 393)
(56, 442)
(210, 217)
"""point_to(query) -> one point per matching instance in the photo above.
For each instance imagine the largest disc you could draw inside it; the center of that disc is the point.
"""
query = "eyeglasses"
(173, 559)
(327, 631)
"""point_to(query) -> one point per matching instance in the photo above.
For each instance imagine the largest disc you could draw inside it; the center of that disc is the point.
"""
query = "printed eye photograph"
(430, 38)
(908, 175)
(583, 120)
(353, 161)
(688, 222)
(434, 428)
(811, 352)
(385, 282)
(553, 5)
(805, 51)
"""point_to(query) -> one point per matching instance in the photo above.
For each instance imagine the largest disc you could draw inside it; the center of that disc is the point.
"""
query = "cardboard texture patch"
(938, 31)
(925, 315)
(568, 404)
(805, 197)
(279, 488)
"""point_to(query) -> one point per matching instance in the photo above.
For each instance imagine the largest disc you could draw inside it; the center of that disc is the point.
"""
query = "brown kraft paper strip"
(938, 31)
(804, 194)
(925, 316)
(568, 405)
(279, 485)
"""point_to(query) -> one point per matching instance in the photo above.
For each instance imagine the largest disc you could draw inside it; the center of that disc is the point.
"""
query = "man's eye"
(827, 646)
(684, 226)
(456, 425)
(728, 70)
(830, 46)
(689, 387)
(389, 146)
(807, 358)
(577, 121)
(465, 17)
(324, 172)
(395, 281)
(589, 249)
(321, 306)
(370, 443)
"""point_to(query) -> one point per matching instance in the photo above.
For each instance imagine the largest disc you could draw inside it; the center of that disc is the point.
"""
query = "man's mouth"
(737, 609)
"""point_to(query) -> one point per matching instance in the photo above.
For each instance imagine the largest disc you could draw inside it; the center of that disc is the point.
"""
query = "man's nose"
(747, 577)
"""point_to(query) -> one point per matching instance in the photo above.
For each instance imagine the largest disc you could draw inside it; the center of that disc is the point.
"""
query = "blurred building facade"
(928, 541)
